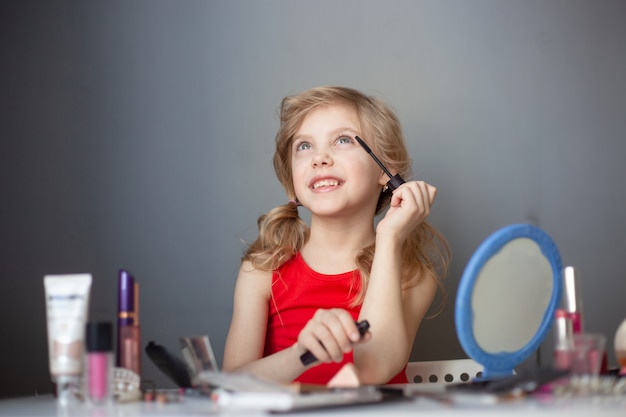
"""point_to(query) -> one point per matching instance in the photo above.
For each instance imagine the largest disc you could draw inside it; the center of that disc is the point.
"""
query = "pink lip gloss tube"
(99, 337)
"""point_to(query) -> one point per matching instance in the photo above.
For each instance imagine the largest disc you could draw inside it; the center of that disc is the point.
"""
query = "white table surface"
(544, 405)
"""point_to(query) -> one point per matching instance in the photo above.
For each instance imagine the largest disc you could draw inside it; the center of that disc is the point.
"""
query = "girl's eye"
(344, 139)
(303, 146)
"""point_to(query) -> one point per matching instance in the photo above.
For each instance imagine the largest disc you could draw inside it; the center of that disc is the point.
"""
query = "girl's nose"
(322, 158)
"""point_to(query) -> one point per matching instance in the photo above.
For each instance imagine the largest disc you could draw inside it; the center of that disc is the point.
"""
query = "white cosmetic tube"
(67, 307)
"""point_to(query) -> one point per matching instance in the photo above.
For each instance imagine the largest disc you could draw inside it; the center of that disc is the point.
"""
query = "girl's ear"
(383, 179)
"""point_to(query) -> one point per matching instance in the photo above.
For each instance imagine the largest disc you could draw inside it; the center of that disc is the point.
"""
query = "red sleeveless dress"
(297, 292)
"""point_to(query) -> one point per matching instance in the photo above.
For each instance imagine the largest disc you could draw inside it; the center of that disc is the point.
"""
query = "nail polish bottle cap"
(571, 299)
(99, 336)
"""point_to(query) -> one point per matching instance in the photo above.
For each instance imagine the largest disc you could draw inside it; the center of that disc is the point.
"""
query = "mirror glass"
(507, 297)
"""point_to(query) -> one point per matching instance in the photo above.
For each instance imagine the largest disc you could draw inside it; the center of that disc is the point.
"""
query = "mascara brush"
(394, 180)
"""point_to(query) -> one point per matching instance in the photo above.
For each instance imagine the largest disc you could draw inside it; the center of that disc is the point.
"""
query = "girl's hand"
(410, 205)
(329, 334)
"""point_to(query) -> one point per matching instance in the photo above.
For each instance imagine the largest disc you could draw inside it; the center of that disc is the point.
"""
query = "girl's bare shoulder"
(253, 279)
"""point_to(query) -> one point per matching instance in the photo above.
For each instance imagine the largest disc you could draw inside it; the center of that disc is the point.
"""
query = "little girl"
(301, 288)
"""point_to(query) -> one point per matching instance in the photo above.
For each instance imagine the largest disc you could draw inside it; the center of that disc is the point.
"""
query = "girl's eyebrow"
(345, 129)
(334, 132)
(300, 136)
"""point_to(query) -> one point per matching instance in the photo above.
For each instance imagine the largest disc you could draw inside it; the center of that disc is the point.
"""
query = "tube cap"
(99, 336)
(125, 295)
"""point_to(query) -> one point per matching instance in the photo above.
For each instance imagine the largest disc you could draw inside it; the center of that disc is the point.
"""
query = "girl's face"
(332, 173)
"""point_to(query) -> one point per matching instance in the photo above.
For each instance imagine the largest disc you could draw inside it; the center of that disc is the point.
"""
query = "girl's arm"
(246, 337)
(394, 314)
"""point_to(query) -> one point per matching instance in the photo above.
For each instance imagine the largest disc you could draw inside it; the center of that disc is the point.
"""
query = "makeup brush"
(394, 180)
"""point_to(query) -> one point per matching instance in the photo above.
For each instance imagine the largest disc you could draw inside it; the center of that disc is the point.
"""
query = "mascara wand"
(394, 180)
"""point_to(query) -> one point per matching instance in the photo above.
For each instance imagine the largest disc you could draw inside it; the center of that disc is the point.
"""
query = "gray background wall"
(140, 134)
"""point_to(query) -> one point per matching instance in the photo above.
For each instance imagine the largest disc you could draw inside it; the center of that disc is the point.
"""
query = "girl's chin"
(334, 208)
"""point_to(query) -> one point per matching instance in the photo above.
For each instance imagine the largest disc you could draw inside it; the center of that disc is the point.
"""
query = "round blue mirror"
(507, 297)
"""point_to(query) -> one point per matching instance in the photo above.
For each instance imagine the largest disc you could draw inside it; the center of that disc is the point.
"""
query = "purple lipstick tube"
(125, 308)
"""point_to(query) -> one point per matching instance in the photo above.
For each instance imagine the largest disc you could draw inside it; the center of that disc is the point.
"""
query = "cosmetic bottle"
(99, 336)
(619, 343)
(572, 303)
(564, 342)
(130, 339)
(67, 309)
(572, 299)
(125, 309)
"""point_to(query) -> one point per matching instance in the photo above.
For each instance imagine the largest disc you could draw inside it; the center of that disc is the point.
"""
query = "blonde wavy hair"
(282, 233)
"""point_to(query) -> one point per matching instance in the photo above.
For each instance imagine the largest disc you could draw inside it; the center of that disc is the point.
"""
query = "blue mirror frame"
(503, 363)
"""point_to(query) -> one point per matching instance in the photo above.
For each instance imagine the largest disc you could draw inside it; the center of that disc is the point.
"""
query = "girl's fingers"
(416, 195)
(432, 193)
(329, 335)
(410, 205)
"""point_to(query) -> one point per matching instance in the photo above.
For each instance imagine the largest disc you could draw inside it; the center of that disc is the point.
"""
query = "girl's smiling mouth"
(325, 183)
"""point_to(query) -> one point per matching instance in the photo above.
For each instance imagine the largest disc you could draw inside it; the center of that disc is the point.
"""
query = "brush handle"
(394, 180)
(308, 358)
